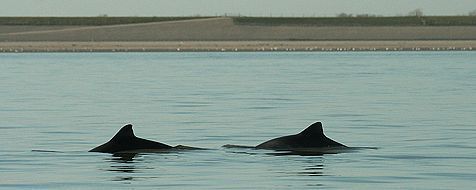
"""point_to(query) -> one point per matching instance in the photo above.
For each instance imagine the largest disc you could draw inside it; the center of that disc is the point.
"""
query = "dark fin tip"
(125, 131)
(315, 128)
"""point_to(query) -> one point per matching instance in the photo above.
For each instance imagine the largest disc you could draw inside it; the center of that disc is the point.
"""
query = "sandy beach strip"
(238, 46)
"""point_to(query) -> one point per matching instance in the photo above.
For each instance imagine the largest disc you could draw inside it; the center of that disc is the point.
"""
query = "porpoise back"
(125, 140)
(310, 138)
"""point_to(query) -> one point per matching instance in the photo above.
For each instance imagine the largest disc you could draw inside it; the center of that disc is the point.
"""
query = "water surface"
(418, 108)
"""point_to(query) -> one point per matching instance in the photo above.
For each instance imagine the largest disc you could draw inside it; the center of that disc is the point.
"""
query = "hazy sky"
(233, 7)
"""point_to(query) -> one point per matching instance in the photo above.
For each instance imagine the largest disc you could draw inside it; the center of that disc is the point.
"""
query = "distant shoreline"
(239, 46)
(358, 20)
(232, 34)
(227, 29)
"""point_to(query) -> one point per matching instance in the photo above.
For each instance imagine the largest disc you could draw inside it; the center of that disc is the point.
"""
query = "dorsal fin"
(314, 129)
(124, 132)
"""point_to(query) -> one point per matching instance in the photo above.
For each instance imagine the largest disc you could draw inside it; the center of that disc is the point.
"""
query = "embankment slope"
(225, 29)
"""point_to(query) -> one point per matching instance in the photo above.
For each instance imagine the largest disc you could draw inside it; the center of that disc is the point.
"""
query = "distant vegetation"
(359, 21)
(85, 21)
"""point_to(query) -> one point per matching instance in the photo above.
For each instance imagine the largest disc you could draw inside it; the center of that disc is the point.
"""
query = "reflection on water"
(240, 149)
(124, 165)
(123, 157)
(313, 170)
(312, 166)
(301, 153)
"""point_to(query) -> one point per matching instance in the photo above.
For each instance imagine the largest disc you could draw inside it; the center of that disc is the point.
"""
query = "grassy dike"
(262, 21)
(359, 21)
(190, 34)
(85, 21)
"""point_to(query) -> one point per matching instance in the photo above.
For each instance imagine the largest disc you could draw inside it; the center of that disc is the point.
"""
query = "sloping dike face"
(225, 29)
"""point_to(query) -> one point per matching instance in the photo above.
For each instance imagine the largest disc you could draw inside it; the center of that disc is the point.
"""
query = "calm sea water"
(418, 108)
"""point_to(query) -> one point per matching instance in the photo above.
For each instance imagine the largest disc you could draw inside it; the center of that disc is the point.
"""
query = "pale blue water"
(418, 108)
